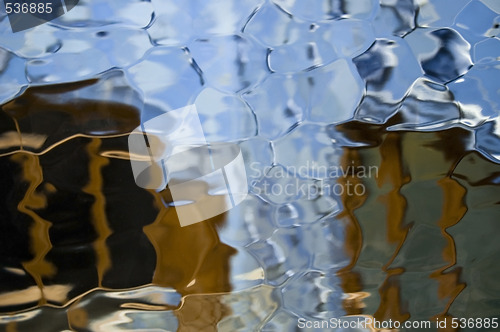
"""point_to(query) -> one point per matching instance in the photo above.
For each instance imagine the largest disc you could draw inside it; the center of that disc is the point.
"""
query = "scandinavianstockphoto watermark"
(369, 323)
(310, 180)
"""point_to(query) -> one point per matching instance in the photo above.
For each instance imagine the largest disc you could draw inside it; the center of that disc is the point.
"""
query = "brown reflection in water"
(391, 174)
(454, 209)
(11, 327)
(350, 280)
(40, 242)
(398, 154)
(98, 213)
(46, 116)
(201, 313)
(192, 260)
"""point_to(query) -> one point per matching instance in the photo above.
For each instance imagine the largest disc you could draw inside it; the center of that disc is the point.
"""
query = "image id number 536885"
(31, 8)
(474, 323)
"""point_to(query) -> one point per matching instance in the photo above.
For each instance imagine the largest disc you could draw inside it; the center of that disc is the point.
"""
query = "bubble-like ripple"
(396, 99)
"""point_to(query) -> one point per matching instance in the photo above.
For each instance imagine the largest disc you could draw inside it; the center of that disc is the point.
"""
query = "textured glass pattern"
(370, 133)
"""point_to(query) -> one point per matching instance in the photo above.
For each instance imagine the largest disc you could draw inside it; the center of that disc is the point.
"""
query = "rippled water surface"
(370, 133)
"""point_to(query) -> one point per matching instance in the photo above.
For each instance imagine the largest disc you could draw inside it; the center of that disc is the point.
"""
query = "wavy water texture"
(370, 134)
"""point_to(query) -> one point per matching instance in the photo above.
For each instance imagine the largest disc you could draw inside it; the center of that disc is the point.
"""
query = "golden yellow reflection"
(94, 188)
(40, 242)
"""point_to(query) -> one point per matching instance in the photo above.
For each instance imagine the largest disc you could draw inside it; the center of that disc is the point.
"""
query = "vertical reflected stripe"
(40, 242)
(351, 283)
(99, 218)
(454, 209)
(391, 172)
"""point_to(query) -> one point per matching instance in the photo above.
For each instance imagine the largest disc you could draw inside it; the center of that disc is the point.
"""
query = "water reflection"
(84, 248)
(402, 236)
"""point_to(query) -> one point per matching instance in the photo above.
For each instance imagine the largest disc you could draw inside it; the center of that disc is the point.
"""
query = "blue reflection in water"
(407, 88)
